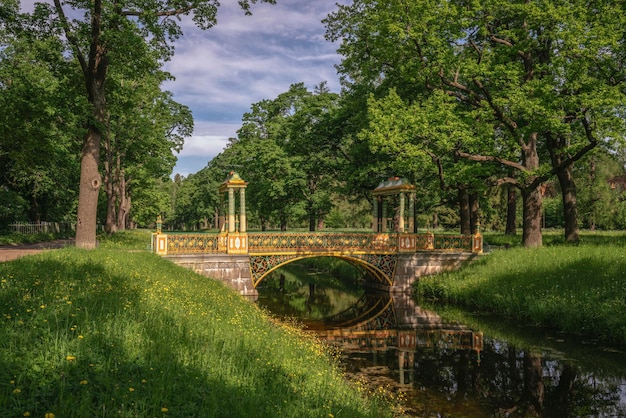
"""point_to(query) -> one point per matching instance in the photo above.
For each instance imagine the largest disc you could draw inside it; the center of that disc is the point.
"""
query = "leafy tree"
(520, 80)
(40, 115)
(260, 155)
(145, 126)
(113, 27)
(312, 143)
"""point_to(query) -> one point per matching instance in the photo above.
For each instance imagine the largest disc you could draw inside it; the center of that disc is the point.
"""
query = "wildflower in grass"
(80, 337)
(70, 358)
(49, 415)
(131, 389)
(164, 409)
(83, 382)
(26, 414)
(17, 390)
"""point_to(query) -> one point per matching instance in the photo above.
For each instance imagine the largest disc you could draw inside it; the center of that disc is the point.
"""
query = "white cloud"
(203, 146)
(221, 72)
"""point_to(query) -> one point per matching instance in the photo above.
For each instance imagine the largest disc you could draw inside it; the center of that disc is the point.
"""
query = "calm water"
(472, 366)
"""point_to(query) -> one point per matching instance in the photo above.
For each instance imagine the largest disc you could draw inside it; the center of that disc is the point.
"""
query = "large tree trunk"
(511, 211)
(531, 229)
(532, 199)
(90, 180)
(568, 187)
(89, 189)
(568, 193)
(464, 211)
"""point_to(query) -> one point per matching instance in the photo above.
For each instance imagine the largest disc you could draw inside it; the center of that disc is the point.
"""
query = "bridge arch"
(380, 266)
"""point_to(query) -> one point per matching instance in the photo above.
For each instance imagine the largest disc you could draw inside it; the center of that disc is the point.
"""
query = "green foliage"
(87, 333)
(576, 289)
(13, 208)
(40, 115)
(498, 92)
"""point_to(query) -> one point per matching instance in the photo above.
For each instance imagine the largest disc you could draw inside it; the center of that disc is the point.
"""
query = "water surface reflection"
(476, 367)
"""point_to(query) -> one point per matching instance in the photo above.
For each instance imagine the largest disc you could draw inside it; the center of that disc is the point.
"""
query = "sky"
(221, 72)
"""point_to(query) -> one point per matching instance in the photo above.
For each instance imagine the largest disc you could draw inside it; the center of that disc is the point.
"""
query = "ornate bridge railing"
(321, 242)
(312, 242)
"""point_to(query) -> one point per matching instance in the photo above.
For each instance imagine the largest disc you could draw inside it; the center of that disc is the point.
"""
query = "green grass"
(13, 239)
(579, 289)
(110, 332)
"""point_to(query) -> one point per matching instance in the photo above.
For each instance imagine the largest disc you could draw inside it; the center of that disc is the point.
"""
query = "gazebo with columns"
(234, 227)
(390, 197)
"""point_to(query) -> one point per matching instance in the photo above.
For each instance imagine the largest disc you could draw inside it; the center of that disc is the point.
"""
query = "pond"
(444, 362)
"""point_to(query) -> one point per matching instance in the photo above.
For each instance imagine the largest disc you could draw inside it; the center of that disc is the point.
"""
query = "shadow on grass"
(79, 342)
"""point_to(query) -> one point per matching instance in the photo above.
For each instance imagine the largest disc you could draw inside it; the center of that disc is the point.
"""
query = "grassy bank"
(110, 332)
(579, 289)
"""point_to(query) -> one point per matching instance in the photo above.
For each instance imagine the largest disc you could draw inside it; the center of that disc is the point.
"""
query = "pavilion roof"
(233, 181)
(393, 185)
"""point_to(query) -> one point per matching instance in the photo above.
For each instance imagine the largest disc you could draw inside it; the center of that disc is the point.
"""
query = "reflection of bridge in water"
(379, 321)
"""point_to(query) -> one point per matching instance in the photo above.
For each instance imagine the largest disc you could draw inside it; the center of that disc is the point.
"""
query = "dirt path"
(9, 252)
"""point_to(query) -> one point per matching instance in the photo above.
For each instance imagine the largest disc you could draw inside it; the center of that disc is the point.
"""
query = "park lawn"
(579, 289)
(112, 332)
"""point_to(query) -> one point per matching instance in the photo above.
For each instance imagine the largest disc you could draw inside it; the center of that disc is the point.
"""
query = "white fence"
(43, 227)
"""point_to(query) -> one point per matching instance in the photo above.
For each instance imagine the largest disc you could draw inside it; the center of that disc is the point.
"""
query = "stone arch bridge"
(243, 260)
(393, 252)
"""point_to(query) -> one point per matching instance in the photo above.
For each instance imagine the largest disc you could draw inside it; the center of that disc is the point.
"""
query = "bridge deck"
(261, 243)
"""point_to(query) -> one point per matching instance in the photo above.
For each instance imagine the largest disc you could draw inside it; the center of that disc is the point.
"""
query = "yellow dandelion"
(49, 415)
(26, 414)
(83, 382)
(80, 337)
(70, 358)
(164, 409)
(17, 390)
(131, 389)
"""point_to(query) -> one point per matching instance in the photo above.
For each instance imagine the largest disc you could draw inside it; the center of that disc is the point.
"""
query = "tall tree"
(515, 73)
(107, 27)
(145, 126)
(40, 114)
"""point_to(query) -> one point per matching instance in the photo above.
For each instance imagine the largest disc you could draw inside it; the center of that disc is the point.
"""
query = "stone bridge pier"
(235, 269)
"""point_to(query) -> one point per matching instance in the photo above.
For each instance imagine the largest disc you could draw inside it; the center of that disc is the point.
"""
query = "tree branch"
(71, 38)
(164, 13)
(490, 158)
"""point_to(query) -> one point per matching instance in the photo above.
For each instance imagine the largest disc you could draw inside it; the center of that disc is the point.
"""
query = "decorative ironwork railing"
(453, 242)
(193, 243)
(312, 242)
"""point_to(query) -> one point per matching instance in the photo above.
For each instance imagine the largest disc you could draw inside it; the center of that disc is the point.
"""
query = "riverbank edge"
(573, 289)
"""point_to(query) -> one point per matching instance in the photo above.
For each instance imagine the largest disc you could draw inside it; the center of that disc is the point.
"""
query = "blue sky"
(221, 72)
